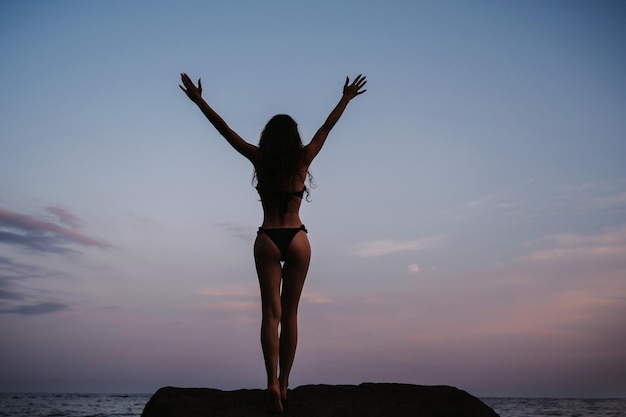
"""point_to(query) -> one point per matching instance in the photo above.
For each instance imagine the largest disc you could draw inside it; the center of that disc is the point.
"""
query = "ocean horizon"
(24, 404)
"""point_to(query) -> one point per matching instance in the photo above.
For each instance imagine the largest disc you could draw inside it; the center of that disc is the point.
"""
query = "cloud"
(231, 299)
(386, 247)
(42, 236)
(245, 233)
(511, 323)
(316, 297)
(64, 216)
(413, 268)
(532, 199)
(614, 201)
(36, 309)
(239, 291)
(37, 243)
(607, 248)
(247, 299)
(16, 298)
(8, 294)
(565, 290)
(505, 201)
(11, 270)
(481, 202)
(604, 195)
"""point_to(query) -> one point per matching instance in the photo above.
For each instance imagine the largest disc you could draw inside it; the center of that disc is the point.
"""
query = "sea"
(131, 405)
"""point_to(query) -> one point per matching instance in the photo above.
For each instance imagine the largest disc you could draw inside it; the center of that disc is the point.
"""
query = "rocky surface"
(365, 400)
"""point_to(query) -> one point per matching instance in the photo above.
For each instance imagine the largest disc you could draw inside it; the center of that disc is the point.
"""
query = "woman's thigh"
(269, 271)
(295, 268)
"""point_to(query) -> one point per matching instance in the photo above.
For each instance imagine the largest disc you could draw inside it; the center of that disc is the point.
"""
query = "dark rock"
(365, 400)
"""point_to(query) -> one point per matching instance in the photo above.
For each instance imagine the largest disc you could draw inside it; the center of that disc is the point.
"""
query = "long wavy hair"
(282, 154)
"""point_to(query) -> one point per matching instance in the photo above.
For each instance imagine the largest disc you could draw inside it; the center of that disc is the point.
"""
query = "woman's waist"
(281, 222)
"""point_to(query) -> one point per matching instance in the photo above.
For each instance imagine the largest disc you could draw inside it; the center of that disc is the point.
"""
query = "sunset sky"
(468, 223)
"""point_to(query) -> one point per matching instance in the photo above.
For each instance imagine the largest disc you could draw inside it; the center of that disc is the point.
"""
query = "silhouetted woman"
(281, 163)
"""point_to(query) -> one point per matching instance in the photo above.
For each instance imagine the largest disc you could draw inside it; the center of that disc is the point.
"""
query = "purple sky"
(468, 225)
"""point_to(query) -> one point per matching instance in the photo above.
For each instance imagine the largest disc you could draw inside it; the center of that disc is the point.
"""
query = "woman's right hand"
(194, 93)
(352, 90)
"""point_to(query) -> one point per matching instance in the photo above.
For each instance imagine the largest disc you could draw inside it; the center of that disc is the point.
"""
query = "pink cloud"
(23, 230)
(64, 216)
(557, 311)
(385, 247)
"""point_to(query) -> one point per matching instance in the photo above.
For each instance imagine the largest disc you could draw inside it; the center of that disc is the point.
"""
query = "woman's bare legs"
(267, 260)
(295, 269)
(280, 308)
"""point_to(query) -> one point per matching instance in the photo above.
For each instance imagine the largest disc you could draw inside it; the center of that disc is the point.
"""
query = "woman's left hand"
(194, 93)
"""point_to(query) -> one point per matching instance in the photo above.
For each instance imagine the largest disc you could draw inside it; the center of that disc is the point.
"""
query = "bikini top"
(284, 197)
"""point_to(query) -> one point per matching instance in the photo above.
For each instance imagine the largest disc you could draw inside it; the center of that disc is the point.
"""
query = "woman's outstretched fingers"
(194, 93)
(354, 89)
(360, 83)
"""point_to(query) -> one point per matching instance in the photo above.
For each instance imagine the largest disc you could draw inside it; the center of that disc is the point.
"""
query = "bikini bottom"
(282, 237)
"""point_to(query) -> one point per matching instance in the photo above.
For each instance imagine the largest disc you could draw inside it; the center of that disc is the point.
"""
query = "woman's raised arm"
(195, 94)
(350, 91)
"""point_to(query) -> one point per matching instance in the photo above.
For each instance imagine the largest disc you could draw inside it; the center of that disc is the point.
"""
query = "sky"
(468, 220)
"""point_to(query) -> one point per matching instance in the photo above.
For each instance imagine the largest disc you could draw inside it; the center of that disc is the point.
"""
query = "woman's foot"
(283, 391)
(274, 404)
